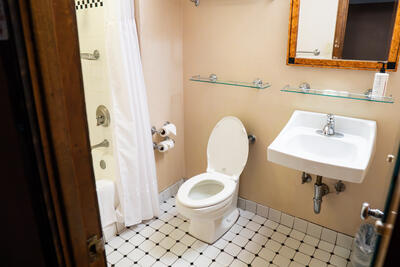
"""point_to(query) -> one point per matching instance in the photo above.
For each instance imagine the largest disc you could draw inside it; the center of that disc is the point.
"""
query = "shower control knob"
(366, 212)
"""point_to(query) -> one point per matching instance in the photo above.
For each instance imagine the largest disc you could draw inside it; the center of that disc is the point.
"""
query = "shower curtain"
(133, 147)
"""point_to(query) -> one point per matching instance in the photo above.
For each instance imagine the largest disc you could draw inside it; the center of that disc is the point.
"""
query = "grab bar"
(316, 52)
(105, 143)
(91, 56)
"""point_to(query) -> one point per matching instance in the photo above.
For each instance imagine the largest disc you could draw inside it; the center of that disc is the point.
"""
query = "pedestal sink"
(345, 156)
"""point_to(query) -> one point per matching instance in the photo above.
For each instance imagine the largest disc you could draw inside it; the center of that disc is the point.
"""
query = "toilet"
(209, 199)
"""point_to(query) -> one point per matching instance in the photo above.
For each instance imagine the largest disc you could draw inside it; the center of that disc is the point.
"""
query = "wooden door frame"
(52, 50)
(390, 65)
(389, 242)
(340, 31)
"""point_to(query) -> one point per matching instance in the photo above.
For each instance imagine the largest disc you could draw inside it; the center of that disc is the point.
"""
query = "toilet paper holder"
(155, 131)
(156, 146)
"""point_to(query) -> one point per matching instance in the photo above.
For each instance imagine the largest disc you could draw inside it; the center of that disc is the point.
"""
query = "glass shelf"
(257, 83)
(338, 94)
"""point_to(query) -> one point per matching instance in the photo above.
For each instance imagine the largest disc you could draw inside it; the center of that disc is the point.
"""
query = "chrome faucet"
(329, 128)
(105, 143)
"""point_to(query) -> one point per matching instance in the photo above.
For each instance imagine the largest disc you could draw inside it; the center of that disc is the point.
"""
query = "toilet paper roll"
(166, 145)
(168, 129)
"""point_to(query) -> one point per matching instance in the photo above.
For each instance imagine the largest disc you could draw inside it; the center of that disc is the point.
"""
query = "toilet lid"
(228, 147)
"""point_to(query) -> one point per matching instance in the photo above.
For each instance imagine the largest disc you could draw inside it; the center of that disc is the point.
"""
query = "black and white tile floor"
(252, 241)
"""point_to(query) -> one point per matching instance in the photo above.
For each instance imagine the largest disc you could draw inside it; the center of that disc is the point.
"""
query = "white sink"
(345, 156)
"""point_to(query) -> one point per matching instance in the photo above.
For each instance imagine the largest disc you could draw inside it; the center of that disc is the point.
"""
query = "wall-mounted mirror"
(355, 34)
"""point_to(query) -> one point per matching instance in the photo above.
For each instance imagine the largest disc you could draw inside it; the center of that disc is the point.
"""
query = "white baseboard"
(301, 225)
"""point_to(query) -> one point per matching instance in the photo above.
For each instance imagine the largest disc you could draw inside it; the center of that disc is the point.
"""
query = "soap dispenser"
(380, 83)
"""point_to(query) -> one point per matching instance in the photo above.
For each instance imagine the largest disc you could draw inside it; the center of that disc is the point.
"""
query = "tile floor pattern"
(252, 241)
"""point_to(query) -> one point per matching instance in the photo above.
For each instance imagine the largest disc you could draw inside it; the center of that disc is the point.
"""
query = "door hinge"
(95, 247)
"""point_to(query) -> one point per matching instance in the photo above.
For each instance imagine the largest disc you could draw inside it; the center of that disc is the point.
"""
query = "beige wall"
(160, 32)
(242, 40)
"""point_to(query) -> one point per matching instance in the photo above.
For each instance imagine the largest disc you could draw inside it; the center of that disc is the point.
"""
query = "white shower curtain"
(133, 148)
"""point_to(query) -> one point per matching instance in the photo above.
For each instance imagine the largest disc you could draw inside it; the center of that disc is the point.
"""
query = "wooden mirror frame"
(390, 64)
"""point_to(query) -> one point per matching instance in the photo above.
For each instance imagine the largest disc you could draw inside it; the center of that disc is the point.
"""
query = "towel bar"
(316, 52)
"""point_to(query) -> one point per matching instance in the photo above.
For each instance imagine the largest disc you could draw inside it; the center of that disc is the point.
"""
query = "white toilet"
(209, 199)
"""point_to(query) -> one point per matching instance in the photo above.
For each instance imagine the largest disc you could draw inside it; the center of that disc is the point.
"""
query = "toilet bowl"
(209, 199)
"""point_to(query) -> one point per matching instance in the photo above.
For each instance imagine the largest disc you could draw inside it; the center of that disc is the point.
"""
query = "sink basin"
(345, 156)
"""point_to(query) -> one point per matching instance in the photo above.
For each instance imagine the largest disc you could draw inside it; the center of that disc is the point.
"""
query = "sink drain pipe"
(320, 190)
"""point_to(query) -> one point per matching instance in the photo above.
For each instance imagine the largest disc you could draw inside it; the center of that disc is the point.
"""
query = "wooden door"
(389, 228)
(49, 33)
(340, 31)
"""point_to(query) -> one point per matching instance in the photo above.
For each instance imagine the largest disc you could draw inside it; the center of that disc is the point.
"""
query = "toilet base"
(208, 230)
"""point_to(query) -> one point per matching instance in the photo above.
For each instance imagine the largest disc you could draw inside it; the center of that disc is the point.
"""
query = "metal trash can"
(364, 246)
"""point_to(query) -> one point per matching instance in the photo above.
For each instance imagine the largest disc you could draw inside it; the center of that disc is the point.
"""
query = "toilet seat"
(205, 190)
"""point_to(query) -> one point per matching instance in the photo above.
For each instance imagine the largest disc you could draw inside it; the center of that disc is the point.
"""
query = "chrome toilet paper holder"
(156, 145)
(155, 131)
